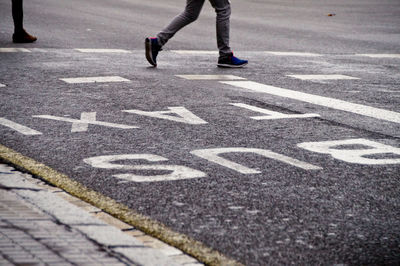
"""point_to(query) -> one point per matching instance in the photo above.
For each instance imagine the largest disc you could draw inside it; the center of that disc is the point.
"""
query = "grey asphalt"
(345, 213)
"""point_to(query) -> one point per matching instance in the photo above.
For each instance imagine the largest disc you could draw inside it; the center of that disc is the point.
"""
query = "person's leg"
(20, 35)
(223, 11)
(18, 15)
(189, 15)
(226, 58)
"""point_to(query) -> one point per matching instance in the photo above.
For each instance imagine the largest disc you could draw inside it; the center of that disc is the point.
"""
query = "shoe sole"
(231, 66)
(149, 55)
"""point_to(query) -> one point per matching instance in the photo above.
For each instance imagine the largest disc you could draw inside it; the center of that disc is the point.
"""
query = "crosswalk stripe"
(102, 50)
(210, 77)
(14, 50)
(94, 79)
(380, 55)
(360, 109)
(321, 77)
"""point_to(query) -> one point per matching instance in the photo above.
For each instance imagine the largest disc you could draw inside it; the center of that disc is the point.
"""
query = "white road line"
(210, 77)
(198, 52)
(293, 54)
(94, 79)
(102, 50)
(321, 77)
(381, 55)
(2, 85)
(18, 127)
(319, 100)
(14, 50)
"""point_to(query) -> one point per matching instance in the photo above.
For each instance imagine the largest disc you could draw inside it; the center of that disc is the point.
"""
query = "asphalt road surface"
(294, 159)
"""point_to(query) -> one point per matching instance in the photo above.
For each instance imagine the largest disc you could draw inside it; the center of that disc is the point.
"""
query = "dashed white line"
(94, 79)
(380, 55)
(293, 54)
(360, 109)
(102, 50)
(210, 77)
(198, 52)
(322, 77)
(14, 50)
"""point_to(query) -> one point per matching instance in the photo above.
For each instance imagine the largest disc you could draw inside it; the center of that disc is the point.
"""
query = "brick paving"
(31, 237)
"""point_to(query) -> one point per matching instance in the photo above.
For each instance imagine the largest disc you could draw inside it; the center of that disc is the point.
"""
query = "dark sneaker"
(152, 49)
(231, 61)
(23, 37)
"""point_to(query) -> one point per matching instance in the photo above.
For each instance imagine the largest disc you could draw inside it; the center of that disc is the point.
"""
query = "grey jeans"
(191, 13)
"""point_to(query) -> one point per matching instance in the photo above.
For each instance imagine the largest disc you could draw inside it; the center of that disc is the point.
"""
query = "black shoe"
(152, 49)
(231, 61)
(23, 37)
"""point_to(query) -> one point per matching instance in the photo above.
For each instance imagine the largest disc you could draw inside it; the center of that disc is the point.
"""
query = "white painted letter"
(81, 125)
(179, 114)
(356, 154)
(18, 127)
(212, 155)
(178, 172)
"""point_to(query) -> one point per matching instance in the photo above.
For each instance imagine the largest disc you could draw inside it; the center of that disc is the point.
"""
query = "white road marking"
(210, 77)
(271, 114)
(337, 149)
(14, 50)
(195, 52)
(94, 79)
(293, 54)
(322, 77)
(318, 100)
(380, 55)
(18, 127)
(2, 85)
(213, 155)
(86, 119)
(122, 51)
(178, 172)
(177, 114)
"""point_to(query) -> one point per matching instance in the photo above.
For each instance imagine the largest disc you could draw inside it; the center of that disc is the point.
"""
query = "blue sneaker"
(231, 61)
(152, 49)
